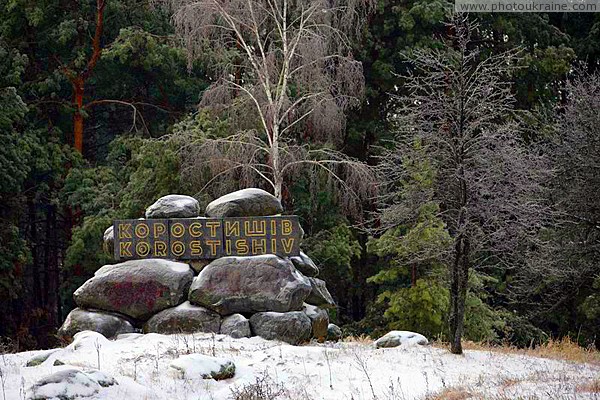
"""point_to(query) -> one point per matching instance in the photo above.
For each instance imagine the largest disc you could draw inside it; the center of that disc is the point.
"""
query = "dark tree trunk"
(33, 240)
(458, 293)
(460, 266)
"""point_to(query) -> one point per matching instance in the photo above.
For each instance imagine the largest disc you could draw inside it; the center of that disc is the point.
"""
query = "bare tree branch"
(286, 65)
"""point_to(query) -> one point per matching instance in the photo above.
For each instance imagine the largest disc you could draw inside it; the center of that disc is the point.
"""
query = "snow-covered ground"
(140, 365)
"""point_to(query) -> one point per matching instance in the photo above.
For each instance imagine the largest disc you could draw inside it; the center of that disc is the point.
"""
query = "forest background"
(100, 101)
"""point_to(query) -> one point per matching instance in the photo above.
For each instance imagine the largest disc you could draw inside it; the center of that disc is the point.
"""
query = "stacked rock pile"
(269, 296)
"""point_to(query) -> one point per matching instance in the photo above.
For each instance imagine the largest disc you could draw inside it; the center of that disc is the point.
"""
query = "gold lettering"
(159, 229)
(125, 249)
(274, 246)
(196, 229)
(259, 246)
(177, 249)
(259, 228)
(160, 249)
(196, 247)
(213, 225)
(177, 230)
(124, 231)
(241, 247)
(232, 228)
(286, 227)
(228, 247)
(213, 246)
(142, 249)
(287, 245)
(141, 230)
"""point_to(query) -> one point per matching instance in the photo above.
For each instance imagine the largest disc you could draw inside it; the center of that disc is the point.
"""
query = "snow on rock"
(334, 333)
(102, 378)
(129, 335)
(40, 358)
(304, 264)
(108, 324)
(88, 339)
(174, 206)
(201, 366)
(66, 384)
(404, 338)
(319, 295)
(108, 240)
(244, 203)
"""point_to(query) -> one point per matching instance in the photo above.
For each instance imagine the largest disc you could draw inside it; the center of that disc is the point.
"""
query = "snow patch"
(186, 305)
(404, 338)
(139, 364)
(88, 340)
(194, 366)
(241, 195)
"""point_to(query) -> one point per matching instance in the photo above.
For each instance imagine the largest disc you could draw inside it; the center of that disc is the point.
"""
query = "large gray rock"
(290, 327)
(185, 318)
(136, 288)
(319, 320)
(109, 240)
(231, 285)
(334, 333)
(107, 324)
(319, 295)
(304, 264)
(244, 203)
(236, 325)
(67, 384)
(174, 206)
(404, 338)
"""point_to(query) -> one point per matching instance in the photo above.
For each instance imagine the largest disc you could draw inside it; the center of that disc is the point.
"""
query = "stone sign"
(206, 238)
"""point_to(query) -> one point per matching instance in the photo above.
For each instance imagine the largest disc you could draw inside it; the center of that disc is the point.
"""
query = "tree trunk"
(78, 89)
(458, 293)
(277, 173)
(33, 243)
(78, 80)
(460, 269)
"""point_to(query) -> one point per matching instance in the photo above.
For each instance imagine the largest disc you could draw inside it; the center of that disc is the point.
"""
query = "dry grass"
(362, 339)
(589, 387)
(507, 382)
(451, 394)
(563, 349)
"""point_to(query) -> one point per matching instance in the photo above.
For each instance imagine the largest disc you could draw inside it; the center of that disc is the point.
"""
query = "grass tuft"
(451, 394)
(557, 349)
(362, 339)
(590, 387)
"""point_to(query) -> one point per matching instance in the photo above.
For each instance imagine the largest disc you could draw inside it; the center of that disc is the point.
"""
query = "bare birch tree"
(285, 76)
(457, 118)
